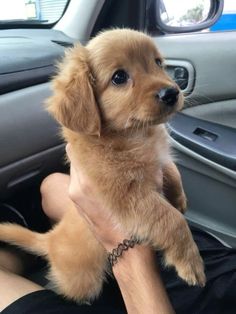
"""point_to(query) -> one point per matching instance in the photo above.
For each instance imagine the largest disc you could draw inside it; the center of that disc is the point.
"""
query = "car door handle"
(211, 140)
(182, 72)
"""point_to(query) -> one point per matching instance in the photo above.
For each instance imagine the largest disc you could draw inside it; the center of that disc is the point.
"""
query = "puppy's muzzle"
(168, 96)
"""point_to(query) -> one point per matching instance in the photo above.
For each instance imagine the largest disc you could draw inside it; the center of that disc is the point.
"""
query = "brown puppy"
(112, 98)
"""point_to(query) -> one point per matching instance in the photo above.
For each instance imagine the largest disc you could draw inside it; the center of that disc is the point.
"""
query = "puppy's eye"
(120, 77)
(159, 62)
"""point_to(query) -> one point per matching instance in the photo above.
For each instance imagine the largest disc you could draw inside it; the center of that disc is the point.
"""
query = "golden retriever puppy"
(112, 99)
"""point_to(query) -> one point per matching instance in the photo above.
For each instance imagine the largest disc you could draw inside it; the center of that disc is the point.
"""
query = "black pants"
(217, 297)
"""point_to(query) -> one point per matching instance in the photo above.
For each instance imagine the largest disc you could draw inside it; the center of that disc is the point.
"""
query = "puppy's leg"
(162, 226)
(172, 187)
(78, 261)
(172, 234)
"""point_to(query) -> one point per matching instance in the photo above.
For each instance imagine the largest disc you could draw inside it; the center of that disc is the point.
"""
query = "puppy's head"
(116, 82)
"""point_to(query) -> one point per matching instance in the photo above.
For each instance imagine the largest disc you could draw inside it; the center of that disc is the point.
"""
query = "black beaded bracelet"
(117, 252)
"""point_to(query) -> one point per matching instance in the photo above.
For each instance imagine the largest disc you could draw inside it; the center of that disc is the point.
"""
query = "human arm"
(139, 280)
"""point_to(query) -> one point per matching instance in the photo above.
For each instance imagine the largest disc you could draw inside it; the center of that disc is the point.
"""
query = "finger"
(71, 156)
(83, 214)
(68, 151)
(75, 183)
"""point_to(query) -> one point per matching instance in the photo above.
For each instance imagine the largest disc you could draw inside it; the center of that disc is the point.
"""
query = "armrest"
(211, 140)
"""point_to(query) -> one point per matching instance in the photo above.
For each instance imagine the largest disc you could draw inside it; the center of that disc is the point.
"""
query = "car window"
(31, 11)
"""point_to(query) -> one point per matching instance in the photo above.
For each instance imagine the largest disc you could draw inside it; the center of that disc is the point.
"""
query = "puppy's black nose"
(168, 96)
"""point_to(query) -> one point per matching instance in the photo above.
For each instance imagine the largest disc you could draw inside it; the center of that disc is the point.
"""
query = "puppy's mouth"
(142, 123)
(146, 121)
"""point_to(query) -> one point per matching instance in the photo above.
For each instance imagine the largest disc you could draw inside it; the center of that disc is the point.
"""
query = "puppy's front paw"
(184, 255)
(193, 273)
(190, 266)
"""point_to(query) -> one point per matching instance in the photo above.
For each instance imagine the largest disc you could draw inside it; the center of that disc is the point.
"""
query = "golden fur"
(119, 138)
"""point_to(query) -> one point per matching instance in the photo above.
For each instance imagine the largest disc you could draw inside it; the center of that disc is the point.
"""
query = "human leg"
(48, 302)
(13, 287)
(12, 263)
(55, 198)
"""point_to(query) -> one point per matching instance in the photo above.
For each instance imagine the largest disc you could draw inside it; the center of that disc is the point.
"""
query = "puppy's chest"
(162, 153)
(154, 155)
(115, 161)
(141, 162)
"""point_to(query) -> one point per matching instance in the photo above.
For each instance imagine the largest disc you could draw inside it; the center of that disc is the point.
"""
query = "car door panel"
(209, 182)
(211, 140)
(213, 58)
(213, 112)
(210, 190)
(30, 141)
(34, 62)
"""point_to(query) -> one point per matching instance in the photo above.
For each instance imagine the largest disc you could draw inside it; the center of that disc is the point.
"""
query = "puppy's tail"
(24, 238)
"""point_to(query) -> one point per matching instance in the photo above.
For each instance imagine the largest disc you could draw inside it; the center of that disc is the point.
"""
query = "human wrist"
(131, 260)
(122, 247)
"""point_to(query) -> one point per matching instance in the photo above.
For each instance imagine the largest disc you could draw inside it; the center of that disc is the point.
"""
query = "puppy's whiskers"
(145, 125)
(139, 124)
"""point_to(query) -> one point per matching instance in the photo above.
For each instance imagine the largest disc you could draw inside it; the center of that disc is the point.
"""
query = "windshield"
(31, 11)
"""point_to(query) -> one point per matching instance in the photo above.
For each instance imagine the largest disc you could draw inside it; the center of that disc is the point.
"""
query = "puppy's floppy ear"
(73, 104)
